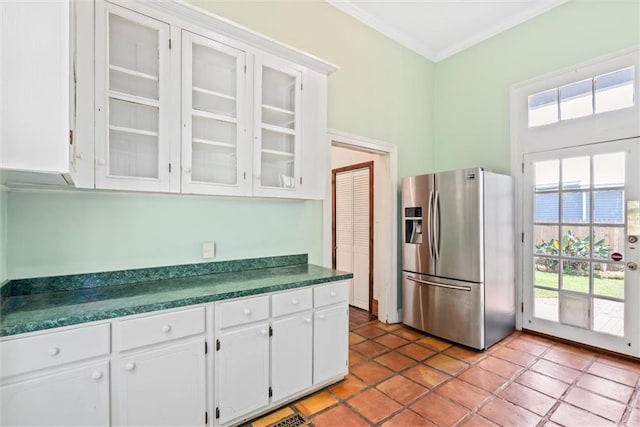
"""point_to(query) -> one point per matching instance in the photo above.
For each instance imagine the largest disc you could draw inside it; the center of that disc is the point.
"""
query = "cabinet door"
(74, 397)
(330, 343)
(34, 86)
(277, 128)
(133, 97)
(165, 387)
(291, 355)
(215, 149)
(242, 371)
(315, 150)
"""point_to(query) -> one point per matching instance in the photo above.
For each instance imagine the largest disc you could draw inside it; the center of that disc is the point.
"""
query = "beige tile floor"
(401, 377)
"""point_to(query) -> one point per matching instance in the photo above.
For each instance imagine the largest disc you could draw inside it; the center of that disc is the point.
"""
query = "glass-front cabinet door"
(132, 75)
(215, 150)
(277, 127)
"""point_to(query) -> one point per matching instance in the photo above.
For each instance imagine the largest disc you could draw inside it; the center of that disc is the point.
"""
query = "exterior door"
(582, 221)
(353, 232)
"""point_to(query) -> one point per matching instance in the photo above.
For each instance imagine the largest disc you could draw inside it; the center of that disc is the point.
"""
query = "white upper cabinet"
(161, 97)
(216, 152)
(277, 105)
(133, 101)
(35, 86)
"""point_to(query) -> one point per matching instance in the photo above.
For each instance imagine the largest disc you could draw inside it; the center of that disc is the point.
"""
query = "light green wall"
(471, 113)
(3, 235)
(59, 233)
(382, 90)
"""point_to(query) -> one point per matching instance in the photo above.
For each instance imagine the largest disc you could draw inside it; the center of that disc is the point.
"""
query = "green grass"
(606, 287)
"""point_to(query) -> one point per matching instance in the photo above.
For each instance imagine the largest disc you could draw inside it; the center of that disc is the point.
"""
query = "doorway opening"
(348, 150)
(352, 189)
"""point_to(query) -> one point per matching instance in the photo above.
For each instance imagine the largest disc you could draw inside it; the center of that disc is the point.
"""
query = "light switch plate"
(208, 250)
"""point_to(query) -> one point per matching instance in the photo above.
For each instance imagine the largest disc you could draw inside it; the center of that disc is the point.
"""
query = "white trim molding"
(388, 311)
(596, 128)
(350, 7)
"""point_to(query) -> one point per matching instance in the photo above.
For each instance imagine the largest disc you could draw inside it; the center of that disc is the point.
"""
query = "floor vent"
(295, 420)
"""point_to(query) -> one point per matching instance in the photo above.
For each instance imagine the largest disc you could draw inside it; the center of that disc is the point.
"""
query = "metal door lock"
(632, 239)
(632, 266)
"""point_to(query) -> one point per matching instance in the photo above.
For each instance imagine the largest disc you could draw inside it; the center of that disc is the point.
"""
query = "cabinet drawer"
(331, 294)
(161, 328)
(235, 313)
(291, 302)
(43, 351)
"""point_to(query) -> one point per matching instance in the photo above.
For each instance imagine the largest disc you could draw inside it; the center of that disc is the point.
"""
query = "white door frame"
(388, 310)
(610, 126)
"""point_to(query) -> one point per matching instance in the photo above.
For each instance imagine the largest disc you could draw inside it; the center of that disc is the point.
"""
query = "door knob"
(130, 366)
(96, 375)
(632, 266)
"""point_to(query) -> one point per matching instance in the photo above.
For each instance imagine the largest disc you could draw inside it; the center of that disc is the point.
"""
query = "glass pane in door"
(133, 58)
(579, 242)
(133, 95)
(214, 115)
(278, 112)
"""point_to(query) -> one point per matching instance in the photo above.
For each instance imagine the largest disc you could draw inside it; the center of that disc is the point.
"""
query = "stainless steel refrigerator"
(458, 277)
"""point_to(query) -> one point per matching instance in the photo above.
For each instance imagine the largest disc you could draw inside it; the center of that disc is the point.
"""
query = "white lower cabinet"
(153, 369)
(58, 377)
(69, 397)
(163, 387)
(273, 349)
(330, 343)
(160, 373)
(291, 355)
(242, 371)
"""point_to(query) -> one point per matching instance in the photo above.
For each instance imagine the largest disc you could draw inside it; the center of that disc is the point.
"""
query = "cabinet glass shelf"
(278, 129)
(213, 93)
(133, 130)
(213, 116)
(134, 98)
(277, 153)
(214, 143)
(133, 72)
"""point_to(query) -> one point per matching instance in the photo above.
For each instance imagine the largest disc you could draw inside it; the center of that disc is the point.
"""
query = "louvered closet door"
(344, 222)
(352, 232)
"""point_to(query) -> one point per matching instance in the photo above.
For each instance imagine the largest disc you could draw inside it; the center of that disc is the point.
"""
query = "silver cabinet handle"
(440, 285)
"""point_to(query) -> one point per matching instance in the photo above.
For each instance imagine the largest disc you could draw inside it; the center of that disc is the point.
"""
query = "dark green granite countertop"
(43, 310)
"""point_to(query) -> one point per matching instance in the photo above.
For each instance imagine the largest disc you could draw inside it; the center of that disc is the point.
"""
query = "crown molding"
(351, 8)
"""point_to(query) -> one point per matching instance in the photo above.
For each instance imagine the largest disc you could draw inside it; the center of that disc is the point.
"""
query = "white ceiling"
(437, 29)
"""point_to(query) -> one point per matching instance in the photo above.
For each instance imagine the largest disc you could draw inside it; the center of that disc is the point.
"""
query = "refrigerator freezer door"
(445, 308)
(458, 225)
(417, 191)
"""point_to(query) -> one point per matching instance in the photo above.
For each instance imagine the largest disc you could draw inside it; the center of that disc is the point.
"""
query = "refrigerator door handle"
(436, 225)
(440, 285)
(429, 224)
